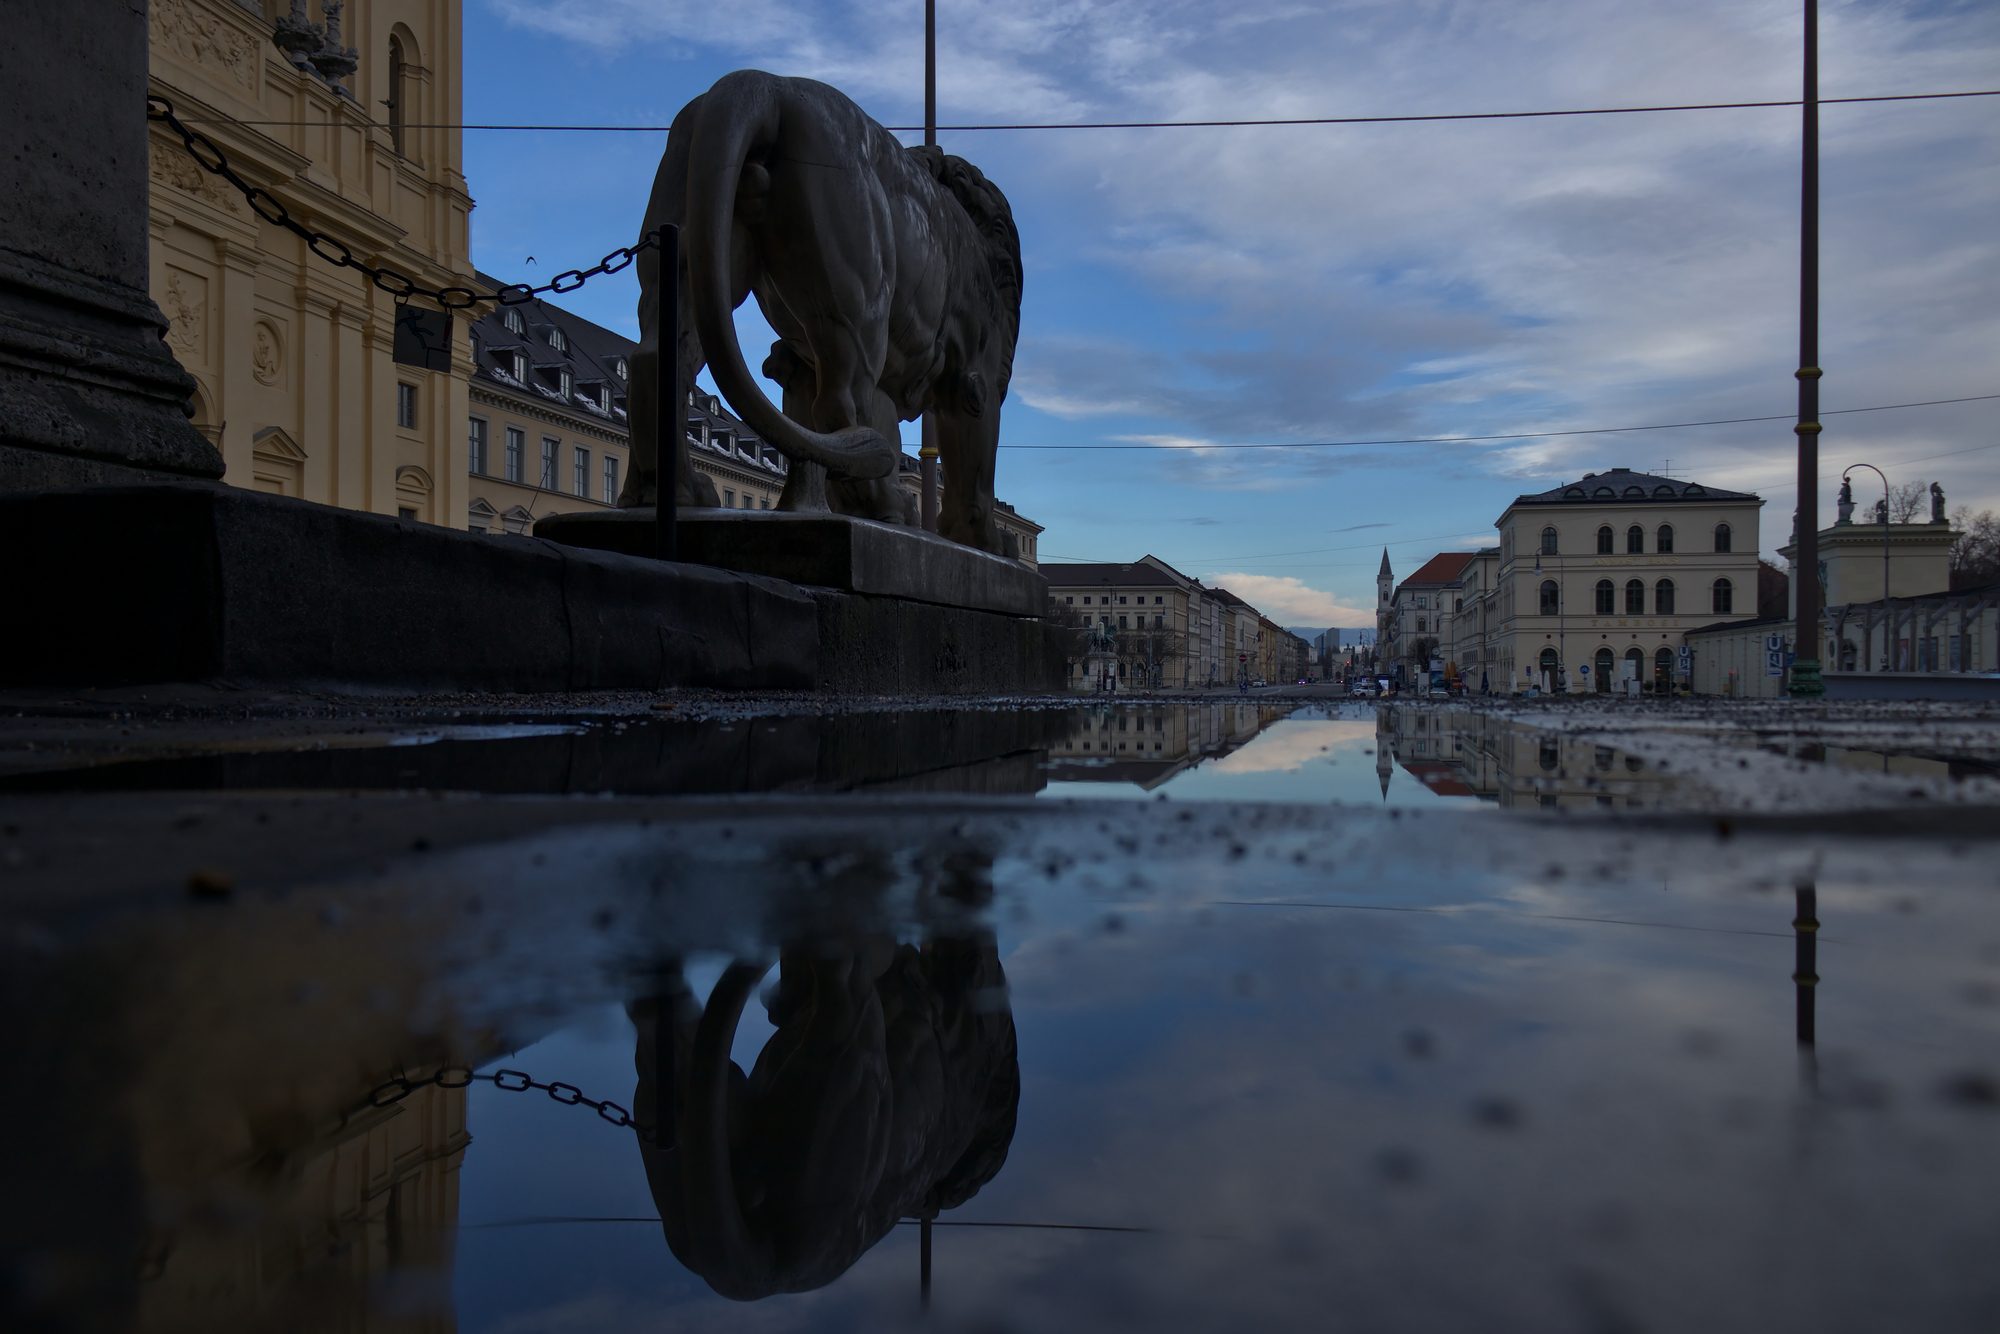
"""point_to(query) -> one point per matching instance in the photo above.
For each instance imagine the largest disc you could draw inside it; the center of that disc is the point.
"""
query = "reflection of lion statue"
(892, 276)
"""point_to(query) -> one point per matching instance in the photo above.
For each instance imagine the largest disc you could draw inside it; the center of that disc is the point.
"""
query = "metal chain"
(393, 1091)
(210, 158)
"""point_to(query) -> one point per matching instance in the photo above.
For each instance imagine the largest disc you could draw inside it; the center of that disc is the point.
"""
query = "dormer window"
(512, 321)
(623, 374)
(518, 365)
(604, 397)
(557, 341)
(563, 382)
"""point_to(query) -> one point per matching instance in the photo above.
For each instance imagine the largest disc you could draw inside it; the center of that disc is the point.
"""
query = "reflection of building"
(370, 1205)
(1460, 752)
(1148, 744)
(311, 381)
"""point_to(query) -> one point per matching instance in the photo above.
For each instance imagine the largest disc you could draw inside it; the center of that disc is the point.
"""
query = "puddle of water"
(1343, 753)
(1195, 1092)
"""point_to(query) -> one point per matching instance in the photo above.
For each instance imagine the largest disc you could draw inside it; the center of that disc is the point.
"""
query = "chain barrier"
(392, 1091)
(210, 158)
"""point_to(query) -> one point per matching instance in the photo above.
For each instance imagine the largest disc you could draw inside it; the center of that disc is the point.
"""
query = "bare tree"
(1908, 501)
(1975, 554)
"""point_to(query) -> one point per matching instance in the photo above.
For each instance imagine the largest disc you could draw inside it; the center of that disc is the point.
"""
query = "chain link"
(392, 1091)
(210, 158)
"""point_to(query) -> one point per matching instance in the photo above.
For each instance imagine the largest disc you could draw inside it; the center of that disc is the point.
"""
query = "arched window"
(1549, 541)
(1635, 541)
(1604, 540)
(1635, 597)
(1663, 669)
(512, 319)
(1550, 662)
(1551, 598)
(1722, 537)
(1725, 598)
(1607, 598)
(1665, 539)
(1635, 663)
(1663, 598)
(396, 102)
(1604, 664)
(1549, 753)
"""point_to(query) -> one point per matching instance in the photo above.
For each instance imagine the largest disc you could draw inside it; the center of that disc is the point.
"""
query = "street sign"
(1774, 663)
(1583, 669)
(1243, 657)
(1774, 643)
(1687, 656)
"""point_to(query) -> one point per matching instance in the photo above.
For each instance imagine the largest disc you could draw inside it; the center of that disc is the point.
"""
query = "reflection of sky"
(1294, 759)
(1321, 1086)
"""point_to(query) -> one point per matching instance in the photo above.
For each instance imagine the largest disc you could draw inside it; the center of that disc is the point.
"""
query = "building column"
(88, 392)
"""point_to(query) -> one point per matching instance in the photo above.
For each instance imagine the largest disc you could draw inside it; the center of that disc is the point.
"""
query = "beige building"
(1610, 573)
(1171, 629)
(305, 379)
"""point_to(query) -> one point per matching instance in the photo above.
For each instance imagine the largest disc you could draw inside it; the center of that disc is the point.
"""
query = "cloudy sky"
(1216, 287)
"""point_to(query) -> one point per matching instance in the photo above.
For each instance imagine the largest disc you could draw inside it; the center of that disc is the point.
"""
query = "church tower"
(1385, 585)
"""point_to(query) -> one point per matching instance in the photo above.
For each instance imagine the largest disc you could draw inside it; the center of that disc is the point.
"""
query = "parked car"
(1362, 690)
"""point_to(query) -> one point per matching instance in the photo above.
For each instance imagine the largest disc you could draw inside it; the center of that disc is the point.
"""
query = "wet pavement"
(1302, 1029)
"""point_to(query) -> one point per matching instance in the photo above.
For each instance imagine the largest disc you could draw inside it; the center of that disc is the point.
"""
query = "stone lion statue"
(891, 275)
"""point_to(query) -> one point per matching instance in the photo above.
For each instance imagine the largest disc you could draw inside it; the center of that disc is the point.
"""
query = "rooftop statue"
(891, 275)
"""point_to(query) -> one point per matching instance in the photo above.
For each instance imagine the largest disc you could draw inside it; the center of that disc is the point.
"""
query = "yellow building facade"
(295, 360)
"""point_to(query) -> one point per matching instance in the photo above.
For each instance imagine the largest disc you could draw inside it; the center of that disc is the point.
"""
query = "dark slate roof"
(1622, 484)
(591, 353)
(1090, 576)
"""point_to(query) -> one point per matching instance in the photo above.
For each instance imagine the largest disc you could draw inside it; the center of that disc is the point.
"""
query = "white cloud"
(1289, 601)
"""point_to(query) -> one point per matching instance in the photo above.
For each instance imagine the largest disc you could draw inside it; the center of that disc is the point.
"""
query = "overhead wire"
(1239, 123)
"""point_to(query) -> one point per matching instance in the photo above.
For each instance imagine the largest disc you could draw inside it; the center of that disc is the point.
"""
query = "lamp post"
(1885, 552)
(1806, 682)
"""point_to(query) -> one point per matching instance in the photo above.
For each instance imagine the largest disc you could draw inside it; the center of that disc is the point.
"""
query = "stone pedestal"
(88, 390)
(823, 551)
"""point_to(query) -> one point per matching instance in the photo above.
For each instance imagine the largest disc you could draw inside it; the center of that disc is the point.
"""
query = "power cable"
(1511, 435)
(1245, 123)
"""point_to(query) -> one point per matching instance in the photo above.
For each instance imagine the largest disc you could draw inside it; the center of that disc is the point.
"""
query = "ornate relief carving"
(204, 39)
(267, 357)
(172, 167)
(186, 308)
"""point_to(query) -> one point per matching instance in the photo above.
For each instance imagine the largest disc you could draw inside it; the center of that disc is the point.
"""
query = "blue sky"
(1207, 287)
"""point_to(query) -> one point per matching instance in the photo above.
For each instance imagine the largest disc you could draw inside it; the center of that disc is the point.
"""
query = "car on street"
(1361, 690)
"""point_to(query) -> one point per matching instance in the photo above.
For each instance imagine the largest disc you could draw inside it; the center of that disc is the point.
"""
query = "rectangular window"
(475, 445)
(580, 472)
(517, 445)
(765, 503)
(728, 499)
(610, 480)
(549, 447)
(406, 406)
(1121, 624)
(1071, 600)
(1158, 601)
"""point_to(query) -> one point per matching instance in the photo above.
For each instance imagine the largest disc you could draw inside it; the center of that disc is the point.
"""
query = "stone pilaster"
(88, 390)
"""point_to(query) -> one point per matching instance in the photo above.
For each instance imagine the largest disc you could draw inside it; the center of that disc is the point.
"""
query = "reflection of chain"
(210, 158)
(393, 1091)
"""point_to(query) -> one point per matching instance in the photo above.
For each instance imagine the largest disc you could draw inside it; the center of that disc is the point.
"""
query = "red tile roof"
(1442, 568)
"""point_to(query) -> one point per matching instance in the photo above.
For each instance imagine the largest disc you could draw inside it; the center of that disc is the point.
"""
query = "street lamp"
(1885, 553)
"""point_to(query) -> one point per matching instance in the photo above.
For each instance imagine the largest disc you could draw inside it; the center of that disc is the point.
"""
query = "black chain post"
(210, 157)
(670, 421)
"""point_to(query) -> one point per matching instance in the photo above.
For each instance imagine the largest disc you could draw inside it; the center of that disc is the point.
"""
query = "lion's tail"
(740, 113)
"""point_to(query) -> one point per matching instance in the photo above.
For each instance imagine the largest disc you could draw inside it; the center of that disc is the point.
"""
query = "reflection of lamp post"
(1885, 553)
(1805, 975)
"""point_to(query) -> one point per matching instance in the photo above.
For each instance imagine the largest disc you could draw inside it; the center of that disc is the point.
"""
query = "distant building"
(1170, 629)
(1610, 572)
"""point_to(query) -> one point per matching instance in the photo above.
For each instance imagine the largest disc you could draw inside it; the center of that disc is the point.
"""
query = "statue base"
(832, 551)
